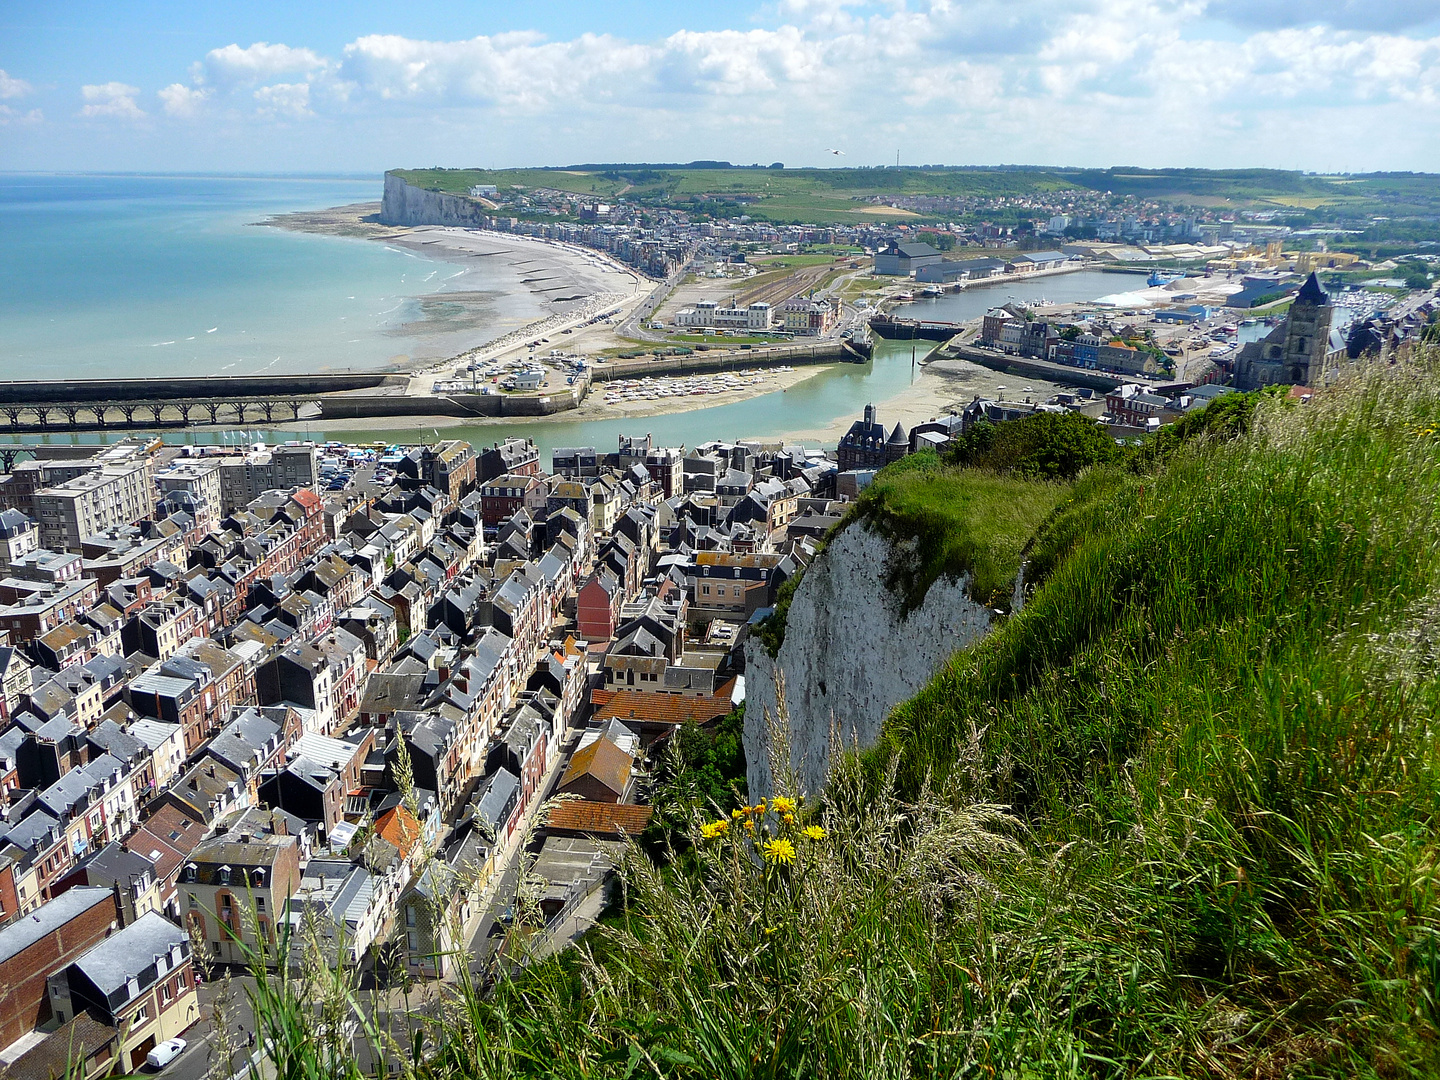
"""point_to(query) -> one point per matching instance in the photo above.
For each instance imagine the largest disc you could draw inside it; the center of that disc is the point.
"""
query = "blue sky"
(268, 87)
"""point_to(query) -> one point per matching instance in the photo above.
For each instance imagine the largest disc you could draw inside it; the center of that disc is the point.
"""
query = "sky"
(269, 87)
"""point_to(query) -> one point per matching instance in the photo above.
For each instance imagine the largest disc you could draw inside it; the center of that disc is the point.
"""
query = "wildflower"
(813, 832)
(759, 807)
(714, 828)
(779, 851)
(783, 805)
(789, 819)
(736, 815)
(749, 826)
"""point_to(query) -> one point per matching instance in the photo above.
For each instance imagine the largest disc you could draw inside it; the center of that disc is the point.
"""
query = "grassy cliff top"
(941, 520)
(953, 521)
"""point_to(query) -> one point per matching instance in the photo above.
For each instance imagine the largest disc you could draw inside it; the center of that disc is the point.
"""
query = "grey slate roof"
(128, 952)
(26, 931)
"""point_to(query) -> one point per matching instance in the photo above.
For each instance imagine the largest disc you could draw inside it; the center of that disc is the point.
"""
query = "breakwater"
(1063, 374)
(104, 404)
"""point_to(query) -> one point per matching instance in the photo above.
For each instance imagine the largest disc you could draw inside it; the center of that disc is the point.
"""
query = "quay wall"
(1063, 374)
(356, 406)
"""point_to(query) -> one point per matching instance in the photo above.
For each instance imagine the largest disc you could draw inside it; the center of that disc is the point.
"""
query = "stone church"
(1295, 351)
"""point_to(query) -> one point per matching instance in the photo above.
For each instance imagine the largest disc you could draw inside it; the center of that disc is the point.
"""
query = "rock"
(403, 204)
(850, 651)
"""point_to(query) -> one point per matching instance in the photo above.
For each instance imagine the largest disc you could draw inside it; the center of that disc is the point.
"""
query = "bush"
(1044, 446)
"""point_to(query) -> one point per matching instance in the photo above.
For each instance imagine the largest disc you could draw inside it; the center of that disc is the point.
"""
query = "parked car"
(165, 1053)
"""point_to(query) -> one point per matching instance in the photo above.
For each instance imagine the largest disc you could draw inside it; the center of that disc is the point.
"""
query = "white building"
(98, 500)
(708, 314)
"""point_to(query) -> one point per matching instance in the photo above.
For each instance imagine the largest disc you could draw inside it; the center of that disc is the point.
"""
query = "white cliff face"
(850, 653)
(406, 205)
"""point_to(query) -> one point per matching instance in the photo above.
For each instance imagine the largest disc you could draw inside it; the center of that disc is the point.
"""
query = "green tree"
(702, 768)
(1045, 446)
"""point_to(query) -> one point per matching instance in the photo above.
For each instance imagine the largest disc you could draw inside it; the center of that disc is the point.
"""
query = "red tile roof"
(308, 499)
(606, 820)
(398, 827)
(603, 761)
(626, 705)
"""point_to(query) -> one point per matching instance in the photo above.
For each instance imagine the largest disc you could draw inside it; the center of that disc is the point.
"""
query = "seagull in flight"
(831, 150)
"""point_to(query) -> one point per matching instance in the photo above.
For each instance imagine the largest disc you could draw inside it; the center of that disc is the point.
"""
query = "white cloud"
(519, 71)
(259, 63)
(284, 101)
(11, 87)
(1083, 81)
(112, 99)
(183, 101)
(14, 116)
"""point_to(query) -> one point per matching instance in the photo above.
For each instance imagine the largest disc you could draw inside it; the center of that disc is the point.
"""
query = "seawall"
(190, 389)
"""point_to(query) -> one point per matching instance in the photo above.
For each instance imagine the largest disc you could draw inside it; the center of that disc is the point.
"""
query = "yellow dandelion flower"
(783, 805)
(713, 829)
(813, 832)
(779, 851)
(749, 826)
(789, 819)
(736, 815)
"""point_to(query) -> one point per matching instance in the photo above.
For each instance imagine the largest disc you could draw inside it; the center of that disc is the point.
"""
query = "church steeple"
(1311, 293)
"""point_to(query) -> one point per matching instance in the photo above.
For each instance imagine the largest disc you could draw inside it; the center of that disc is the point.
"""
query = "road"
(194, 1063)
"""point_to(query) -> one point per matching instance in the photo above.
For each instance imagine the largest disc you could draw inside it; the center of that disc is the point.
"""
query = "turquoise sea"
(106, 276)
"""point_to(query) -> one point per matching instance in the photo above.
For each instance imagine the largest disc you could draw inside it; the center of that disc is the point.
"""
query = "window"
(412, 939)
(409, 916)
(259, 903)
(193, 902)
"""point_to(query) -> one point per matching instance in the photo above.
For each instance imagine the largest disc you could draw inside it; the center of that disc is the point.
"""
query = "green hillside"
(839, 195)
(1174, 818)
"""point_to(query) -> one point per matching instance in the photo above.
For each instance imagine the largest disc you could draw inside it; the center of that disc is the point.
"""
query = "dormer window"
(222, 876)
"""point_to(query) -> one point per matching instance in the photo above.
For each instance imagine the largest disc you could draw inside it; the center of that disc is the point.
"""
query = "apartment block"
(93, 502)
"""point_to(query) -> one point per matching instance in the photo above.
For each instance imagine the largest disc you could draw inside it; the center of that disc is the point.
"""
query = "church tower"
(1307, 334)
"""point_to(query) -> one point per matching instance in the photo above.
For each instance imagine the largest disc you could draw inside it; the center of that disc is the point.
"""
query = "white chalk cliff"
(849, 651)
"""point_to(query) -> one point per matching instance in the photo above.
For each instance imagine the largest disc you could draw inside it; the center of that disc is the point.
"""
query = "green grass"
(954, 521)
(791, 262)
(1176, 817)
